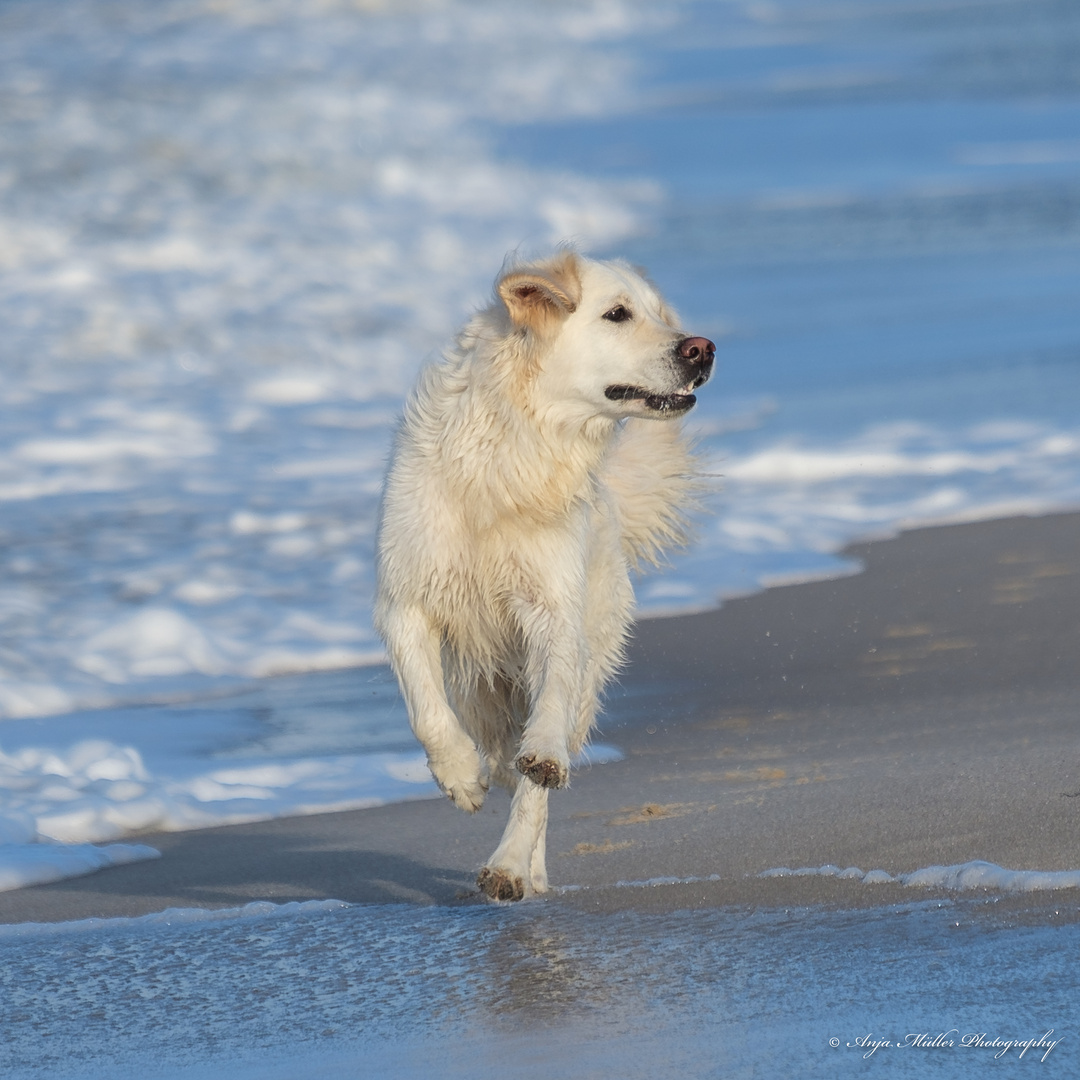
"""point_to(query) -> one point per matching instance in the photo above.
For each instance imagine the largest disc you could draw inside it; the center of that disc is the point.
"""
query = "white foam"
(648, 883)
(155, 641)
(656, 882)
(22, 865)
(790, 506)
(162, 771)
(976, 874)
(95, 790)
(171, 917)
(288, 390)
(986, 875)
(787, 464)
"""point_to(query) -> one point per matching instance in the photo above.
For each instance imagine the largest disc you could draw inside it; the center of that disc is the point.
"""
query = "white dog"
(535, 466)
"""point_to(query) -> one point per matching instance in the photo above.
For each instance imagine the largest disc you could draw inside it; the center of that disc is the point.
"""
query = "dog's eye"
(618, 314)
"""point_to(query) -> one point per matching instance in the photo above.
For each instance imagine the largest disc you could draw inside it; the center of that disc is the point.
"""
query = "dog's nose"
(698, 349)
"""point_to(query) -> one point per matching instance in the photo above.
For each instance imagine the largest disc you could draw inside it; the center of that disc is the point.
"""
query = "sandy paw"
(547, 772)
(500, 884)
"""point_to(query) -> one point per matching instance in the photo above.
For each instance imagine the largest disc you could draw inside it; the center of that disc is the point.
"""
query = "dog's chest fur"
(491, 547)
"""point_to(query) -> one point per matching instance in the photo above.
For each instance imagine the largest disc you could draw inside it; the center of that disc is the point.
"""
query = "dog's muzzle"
(693, 358)
(696, 356)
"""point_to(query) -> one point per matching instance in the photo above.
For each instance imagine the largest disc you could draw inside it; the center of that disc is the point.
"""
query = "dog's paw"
(461, 780)
(547, 772)
(468, 797)
(500, 884)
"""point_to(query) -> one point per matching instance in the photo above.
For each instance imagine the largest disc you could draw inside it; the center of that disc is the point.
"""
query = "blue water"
(544, 989)
(923, 220)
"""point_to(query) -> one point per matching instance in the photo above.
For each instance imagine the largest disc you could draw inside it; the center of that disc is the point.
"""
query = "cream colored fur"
(518, 500)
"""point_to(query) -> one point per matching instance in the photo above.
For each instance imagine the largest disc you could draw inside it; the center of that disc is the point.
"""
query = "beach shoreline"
(920, 713)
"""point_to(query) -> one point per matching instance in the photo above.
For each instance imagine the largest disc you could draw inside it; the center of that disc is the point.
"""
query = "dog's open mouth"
(655, 402)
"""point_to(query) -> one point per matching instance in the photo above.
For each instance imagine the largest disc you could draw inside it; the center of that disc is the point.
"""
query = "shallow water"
(543, 989)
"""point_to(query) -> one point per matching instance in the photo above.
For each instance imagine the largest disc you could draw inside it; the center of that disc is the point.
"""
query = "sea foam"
(38, 864)
(976, 874)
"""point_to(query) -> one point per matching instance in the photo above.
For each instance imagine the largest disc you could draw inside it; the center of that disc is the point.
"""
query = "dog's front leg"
(556, 658)
(415, 648)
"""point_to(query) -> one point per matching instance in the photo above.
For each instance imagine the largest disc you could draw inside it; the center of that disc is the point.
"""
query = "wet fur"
(518, 500)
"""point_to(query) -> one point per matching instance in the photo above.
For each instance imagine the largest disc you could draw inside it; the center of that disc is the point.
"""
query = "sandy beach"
(920, 712)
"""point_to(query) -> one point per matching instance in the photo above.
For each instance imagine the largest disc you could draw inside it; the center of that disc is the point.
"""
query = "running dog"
(537, 464)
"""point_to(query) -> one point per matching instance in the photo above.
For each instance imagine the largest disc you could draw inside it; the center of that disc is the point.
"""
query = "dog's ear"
(536, 297)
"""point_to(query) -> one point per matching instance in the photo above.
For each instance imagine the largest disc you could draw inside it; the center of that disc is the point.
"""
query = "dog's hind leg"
(492, 711)
(516, 869)
(415, 649)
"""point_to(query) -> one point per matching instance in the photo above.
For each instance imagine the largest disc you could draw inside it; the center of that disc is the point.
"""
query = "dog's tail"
(657, 480)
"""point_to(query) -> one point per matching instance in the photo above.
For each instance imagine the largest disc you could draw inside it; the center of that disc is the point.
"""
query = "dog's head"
(601, 341)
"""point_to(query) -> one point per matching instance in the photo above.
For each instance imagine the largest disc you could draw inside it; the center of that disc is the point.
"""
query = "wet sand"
(925, 711)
